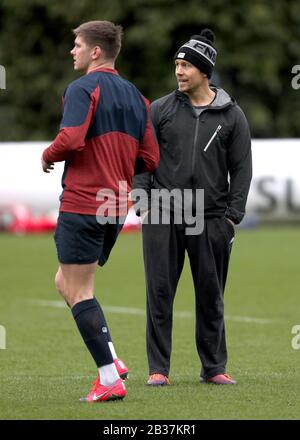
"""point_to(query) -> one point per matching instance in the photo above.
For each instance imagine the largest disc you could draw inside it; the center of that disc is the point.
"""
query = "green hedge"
(258, 44)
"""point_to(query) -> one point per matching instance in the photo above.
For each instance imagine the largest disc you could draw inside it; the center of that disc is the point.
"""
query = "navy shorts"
(80, 239)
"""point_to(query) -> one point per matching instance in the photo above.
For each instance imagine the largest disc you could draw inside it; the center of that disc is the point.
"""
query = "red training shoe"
(101, 393)
(220, 379)
(158, 379)
(122, 369)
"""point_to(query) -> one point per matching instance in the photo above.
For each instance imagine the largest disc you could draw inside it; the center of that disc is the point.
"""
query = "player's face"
(189, 78)
(81, 54)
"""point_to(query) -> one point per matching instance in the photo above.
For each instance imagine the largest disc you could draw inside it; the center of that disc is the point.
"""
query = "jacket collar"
(103, 69)
(222, 99)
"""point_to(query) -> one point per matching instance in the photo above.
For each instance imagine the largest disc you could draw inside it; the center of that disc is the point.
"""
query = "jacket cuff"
(234, 215)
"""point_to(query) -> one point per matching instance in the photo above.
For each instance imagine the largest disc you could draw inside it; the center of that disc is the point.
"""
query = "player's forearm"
(148, 157)
(65, 144)
(147, 163)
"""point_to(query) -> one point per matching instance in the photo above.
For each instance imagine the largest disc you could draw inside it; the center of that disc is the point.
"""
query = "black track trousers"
(164, 249)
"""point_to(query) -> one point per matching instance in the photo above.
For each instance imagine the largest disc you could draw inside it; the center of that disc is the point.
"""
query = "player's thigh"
(78, 276)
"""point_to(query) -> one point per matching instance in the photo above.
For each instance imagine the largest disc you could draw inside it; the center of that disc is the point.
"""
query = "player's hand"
(47, 166)
(230, 221)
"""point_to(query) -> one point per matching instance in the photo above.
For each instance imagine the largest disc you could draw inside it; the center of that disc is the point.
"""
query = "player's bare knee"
(78, 297)
(59, 283)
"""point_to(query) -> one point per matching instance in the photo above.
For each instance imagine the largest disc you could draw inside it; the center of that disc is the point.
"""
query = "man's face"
(81, 54)
(189, 78)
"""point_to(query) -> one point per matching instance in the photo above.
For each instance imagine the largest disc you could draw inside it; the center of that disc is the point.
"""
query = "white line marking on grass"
(57, 304)
(24, 377)
(249, 319)
(141, 312)
(124, 310)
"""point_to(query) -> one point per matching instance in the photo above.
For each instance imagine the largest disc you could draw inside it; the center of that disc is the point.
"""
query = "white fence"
(274, 194)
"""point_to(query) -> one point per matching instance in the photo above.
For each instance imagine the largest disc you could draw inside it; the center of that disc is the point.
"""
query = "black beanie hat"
(200, 51)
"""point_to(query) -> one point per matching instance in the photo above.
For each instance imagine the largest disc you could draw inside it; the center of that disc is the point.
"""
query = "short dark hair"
(105, 34)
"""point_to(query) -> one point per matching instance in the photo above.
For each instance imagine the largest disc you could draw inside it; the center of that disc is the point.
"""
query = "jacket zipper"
(194, 146)
(213, 136)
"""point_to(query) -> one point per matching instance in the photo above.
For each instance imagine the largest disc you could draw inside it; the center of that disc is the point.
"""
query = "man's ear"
(96, 52)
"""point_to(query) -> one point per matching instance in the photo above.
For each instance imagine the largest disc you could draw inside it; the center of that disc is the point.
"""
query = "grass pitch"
(45, 367)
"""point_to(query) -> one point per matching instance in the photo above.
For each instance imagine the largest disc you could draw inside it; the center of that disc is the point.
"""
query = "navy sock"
(93, 330)
(104, 321)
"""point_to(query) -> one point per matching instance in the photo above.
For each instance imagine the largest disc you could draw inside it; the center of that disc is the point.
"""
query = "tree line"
(258, 44)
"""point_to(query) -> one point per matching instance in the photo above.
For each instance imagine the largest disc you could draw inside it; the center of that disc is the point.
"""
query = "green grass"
(46, 368)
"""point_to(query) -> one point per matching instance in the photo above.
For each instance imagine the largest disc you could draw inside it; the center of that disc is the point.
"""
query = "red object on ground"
(18, 219)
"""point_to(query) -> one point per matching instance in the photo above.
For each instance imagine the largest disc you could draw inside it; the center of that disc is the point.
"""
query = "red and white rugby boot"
(121, 368)
(101, 393)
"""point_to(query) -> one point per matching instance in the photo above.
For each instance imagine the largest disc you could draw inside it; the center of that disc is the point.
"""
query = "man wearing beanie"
(205, 144)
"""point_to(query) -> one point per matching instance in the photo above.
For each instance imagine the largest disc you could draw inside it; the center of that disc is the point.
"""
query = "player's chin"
(183, 87)
(77, 65)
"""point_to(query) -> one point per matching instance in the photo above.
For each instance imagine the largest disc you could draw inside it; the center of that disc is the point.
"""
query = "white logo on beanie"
(181, 55)
(202, 49)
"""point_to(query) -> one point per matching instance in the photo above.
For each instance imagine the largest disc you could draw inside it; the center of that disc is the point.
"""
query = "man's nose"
(178, 70)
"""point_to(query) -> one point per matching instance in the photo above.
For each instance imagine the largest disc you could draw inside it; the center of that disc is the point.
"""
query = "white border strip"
(141, 312)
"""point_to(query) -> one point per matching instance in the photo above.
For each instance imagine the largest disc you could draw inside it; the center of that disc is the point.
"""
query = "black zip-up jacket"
(211, 151)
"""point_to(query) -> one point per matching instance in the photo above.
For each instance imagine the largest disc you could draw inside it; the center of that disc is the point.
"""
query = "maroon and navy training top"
(105, 135)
